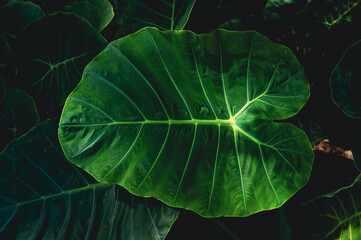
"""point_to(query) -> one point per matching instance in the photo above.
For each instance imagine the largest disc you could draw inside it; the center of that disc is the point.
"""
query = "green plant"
(207, 122)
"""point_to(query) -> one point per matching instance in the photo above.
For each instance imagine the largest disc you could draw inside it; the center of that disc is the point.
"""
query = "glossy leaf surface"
(18, 115)
(54, 51)
(43, 196)
(336, 216)
(187, 119)
(346, 81)
(98, 13)
(162, 14)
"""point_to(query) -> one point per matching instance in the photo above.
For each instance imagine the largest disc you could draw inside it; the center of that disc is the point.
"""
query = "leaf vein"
(188, 159)
(170, 76)
(126, 154)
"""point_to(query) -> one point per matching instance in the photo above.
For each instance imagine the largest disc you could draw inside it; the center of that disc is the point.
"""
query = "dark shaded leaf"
(52, 54)
(17, 115)
(2, 90)
(16, 16)
(346, 81)
(43, 196)
(163, 14)
(7, 58)
(335, 216)
(98, 13)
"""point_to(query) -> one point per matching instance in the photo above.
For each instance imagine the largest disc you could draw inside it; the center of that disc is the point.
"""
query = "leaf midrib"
(62, 193)
(216, 122)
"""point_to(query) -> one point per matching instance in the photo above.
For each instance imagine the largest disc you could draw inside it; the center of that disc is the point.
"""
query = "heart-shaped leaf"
(335, 216)
(43, 196)
(187, 119)
(346, 81)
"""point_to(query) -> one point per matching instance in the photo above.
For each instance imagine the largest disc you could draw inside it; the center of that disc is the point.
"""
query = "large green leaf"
(346, 81)
(98, 13)
(163, 14)
(17, 115)
(52, 54)
(43, 196)
(187, 119)
(335, 216)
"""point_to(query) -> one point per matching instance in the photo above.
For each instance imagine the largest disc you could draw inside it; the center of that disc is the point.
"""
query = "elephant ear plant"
(345, 86)
(190, 120)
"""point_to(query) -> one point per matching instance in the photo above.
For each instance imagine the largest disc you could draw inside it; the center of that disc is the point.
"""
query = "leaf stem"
(226, 229)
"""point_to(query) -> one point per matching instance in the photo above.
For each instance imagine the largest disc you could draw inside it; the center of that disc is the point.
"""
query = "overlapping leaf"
(7, 60)
(163, 14)
(346, 81)
(98, 13)
(52, 54)
(335, 216)
(16, 16)
(17, 115)
(43, 196)
(345, 85)
(187, 119)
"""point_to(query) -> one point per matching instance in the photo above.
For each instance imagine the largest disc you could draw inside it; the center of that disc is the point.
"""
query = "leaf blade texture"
(187, 119)
(345, 82)
(99, 13)
(18, 115)
(162, 14)
(52, 54)
(43, 196)
(335, 215)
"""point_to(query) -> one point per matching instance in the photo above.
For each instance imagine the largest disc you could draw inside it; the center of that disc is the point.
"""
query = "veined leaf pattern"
(18, 115)
(345, 82)
(54, 52)
(162, 14)
(43, 196)
(336, 215)
(192, 126)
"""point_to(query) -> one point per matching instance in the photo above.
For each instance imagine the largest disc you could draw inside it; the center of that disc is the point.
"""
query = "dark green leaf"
(346, 81)
(98, 13)
(7, 59)
(163, 14)
(284, 226)
(52, 54)
(314, 131)
(17, 115)
(16, 16)
(2, 90)
(43, 196)
(279, 3)
(336, 215)
(187, 119)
